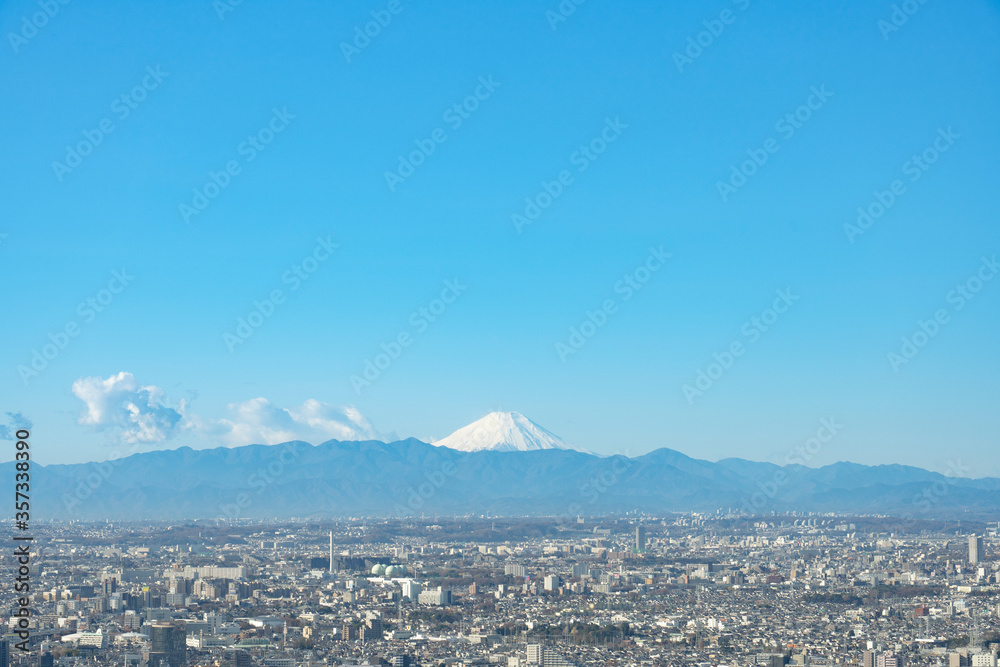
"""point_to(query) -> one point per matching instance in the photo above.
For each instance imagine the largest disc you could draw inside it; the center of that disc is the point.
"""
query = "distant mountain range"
(515, 467)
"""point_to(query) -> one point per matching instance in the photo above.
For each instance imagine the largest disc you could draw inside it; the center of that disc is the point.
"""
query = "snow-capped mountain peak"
(502, 432)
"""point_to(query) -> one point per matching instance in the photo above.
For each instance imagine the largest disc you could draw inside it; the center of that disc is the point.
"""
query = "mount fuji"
(504, 464)
(502, 432)
(410, 478)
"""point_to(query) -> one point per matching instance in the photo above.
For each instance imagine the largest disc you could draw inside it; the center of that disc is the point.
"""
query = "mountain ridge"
(410, 478)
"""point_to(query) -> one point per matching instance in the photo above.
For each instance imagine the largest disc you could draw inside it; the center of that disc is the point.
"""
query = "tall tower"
(168, 645)
(331, 552)
(640, 539)
(975, 549)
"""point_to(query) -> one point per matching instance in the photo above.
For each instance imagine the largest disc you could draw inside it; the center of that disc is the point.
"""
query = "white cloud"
(16, 421)
(130, 412)
(135, 414)
(258, 421)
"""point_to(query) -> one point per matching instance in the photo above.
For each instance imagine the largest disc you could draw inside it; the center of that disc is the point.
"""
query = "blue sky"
(154, 369)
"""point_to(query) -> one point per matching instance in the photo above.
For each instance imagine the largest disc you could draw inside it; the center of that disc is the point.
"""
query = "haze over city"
(537, 333)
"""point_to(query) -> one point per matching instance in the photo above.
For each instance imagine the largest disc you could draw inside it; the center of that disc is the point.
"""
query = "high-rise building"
(236, 659)
(543, 656)
(975, 549)
(868, 659)
(4, 653)
(411, 590)
(372, 629)
(513, 569)
(640, 539)
(440, 596)
(552, 582)
(95, 640)
(349, 632)
(888, 660)
(45, 659)
(168, 646)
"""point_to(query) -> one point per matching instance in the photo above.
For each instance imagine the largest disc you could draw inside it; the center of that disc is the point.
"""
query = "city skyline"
(777, 590)
(515, 333)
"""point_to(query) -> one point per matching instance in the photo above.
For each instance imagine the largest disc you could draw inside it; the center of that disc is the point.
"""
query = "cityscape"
(627, 590)
(502, 333)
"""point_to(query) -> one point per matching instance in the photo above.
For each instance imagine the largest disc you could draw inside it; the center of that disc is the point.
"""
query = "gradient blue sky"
(494, 348)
